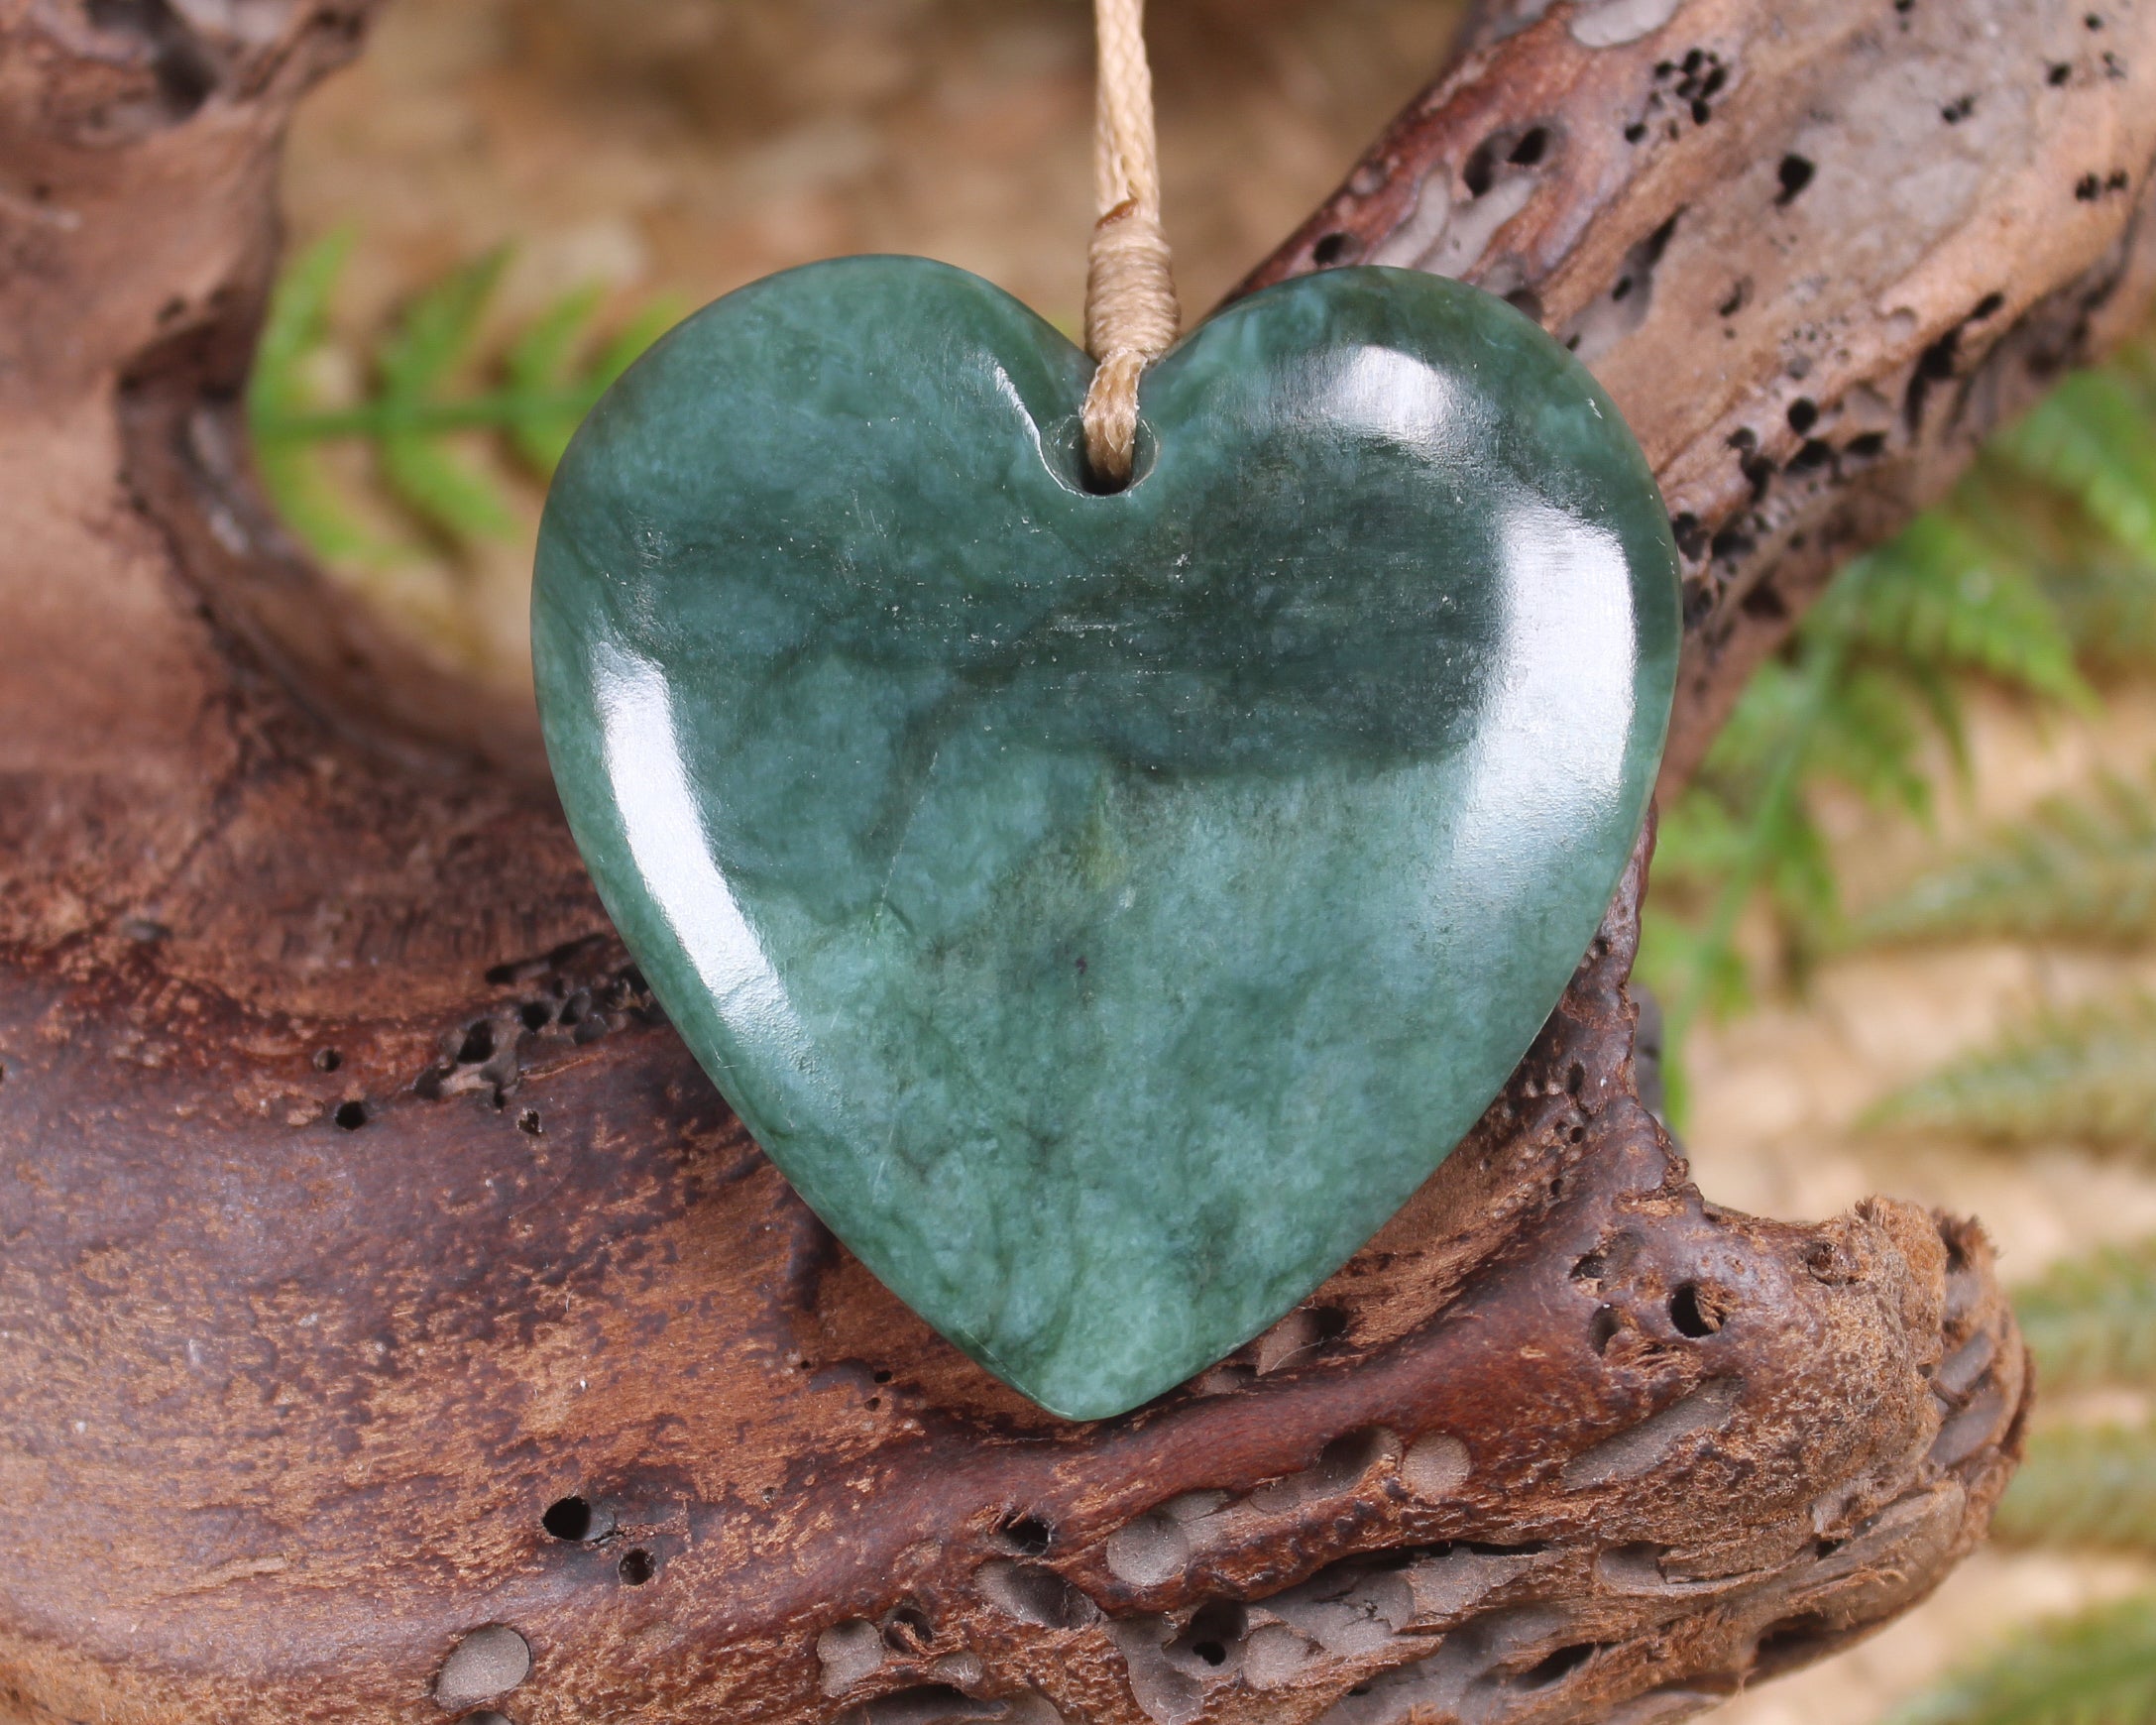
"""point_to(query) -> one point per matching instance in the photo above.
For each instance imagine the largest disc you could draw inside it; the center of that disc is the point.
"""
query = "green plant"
(2086, 1075)
(2036, 573)
(2086, 1486)
(2092, 1319)
(2097, 1667)
(2081, 868)
(2082, 1487)
(2084, 869)
(1871, 677)
(427, 385)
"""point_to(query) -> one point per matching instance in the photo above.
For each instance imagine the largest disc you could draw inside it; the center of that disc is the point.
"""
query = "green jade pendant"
(1107, 909)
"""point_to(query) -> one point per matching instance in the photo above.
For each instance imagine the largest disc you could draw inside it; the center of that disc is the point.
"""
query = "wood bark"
(360, 1210)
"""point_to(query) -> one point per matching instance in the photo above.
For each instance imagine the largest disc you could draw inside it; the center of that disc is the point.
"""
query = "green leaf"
(540, 367)
(1949, 599)
(443, 489)
(2097, 1668)
(294, 326)
(2092, 441)
(549, 395)
(2078, 868)
(417, 409)
(1756, 769)
(438, 330)
(300, 489)
(2092, 1319)
(435, 337)
(2104, 594)
(2107, 606)
(313, 506)
(1696, 843)
(1778, 704)
(2090, 1487)
(1874, 675)
(2088, 1076)
(541, 358)
(1675, 954)
(1869, 737)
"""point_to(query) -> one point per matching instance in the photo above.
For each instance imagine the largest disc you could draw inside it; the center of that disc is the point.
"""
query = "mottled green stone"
(1105, 909)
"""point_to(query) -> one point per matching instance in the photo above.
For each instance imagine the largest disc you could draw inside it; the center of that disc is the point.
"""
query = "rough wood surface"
(357, 1207)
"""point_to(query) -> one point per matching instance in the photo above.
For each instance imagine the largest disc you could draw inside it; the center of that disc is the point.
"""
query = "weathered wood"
(357, 1207)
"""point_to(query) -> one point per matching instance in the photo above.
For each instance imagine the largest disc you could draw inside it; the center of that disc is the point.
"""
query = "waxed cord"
(1131, 314)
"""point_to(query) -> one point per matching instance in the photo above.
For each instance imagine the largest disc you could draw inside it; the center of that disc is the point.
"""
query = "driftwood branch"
(358, 1210)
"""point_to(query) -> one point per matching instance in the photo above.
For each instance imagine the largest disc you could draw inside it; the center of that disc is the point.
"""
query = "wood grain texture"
(357, 1207)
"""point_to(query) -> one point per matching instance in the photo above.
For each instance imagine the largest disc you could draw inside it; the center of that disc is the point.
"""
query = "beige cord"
(1131, 315)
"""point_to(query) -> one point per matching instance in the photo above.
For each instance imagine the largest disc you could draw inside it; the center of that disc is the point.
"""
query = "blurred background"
(1904, 932)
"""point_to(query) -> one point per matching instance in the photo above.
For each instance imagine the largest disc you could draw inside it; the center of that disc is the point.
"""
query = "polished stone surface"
(1107, 909)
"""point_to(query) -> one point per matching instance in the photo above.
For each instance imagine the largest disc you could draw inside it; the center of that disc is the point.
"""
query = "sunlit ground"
(689, 146)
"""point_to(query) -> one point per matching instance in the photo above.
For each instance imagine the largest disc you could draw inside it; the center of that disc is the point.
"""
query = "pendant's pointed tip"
(1082, 1410)
(1088, 1402)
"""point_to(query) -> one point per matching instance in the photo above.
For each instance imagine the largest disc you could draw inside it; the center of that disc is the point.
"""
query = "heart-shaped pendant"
(1105, 909)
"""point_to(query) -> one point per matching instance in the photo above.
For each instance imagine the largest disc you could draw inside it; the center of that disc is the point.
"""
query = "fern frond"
(292, 473)
(2093, 1319)
(1871, 738)
(1675, 954)
(2108, 605)
(1761, 774)
(551, 375)
(2088, 1076)
(295, 323)
(1799, 877)
(2092, 441)
(2080, 869)
(438, 331)
(2104, 594)
(309, 502)
(1757, 771)
(2097, 1667)
(540, 367)
(1938, 693)
(548, 393)
(443, 489)
(541, 358)
(436, 335)
(2085, 1487)
(1950, 597)
(1697, 841)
